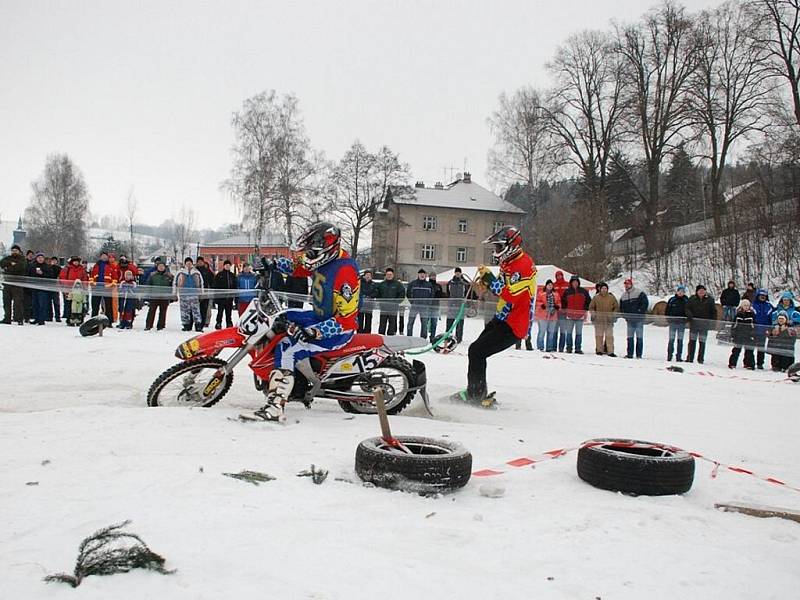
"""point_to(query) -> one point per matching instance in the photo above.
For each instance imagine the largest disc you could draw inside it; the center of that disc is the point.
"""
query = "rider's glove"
(307, 334)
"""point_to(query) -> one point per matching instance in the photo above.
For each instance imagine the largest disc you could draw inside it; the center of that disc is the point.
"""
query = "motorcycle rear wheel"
(189, 392)
(397, 377)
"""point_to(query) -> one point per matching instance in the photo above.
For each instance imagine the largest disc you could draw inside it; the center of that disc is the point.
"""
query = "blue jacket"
(791, 312)
(247, 281)
(763, 310)
(420, 291)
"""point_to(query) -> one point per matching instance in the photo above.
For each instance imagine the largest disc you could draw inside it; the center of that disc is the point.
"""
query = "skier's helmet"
(506, 243)
(319, 245)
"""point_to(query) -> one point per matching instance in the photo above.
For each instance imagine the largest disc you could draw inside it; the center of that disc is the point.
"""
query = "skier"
(516, 288)
(329, 325)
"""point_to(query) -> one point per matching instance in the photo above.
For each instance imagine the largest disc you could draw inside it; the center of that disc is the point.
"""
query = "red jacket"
(110, 275)
(70, 273)
(516, 288)
(560, 285)
(541, 306)
(576, 303)
(129, 267)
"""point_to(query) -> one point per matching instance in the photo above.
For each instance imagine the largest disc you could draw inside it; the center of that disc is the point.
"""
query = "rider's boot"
(281, 383)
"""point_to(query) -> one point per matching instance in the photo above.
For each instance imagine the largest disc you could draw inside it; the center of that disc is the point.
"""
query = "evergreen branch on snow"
(109, 551)
(254, 477)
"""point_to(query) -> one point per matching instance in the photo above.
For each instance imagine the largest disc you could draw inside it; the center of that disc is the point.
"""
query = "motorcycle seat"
(399, 343)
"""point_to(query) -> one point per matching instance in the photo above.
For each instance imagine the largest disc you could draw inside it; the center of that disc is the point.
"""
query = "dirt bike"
(349, 375)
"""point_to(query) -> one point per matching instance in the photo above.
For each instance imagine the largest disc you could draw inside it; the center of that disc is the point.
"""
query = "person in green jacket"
(159, 301)
(389, 293)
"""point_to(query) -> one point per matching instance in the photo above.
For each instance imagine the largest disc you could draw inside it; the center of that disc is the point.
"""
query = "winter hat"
(188, 259)
(602, 285)
(367, 271)
(783, 314)
(574, 278)
(745, 305)
(73, 258)
(762, 292)
(38, 254)
(681, 288)
(457, 270)
(699, 287)
(16, 246)
(549, 281)
(421, 270)
(226, 262)
(787, 295)
(628, 281)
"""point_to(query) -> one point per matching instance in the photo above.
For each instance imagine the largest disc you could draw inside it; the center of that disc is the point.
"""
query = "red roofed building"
(240, 249)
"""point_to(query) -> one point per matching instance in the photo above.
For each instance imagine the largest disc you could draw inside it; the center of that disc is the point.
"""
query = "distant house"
(240, 249)
(438, 228)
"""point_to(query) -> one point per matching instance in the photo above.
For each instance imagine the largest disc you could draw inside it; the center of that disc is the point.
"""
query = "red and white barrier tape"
(530, 461)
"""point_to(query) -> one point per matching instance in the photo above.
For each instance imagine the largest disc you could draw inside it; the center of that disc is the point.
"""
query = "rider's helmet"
(319, 244)
(506, 243)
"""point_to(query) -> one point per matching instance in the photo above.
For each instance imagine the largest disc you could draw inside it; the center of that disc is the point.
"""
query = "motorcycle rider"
(329, 325)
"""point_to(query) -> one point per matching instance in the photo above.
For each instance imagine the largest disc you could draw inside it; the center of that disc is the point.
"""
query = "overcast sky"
(141, 93)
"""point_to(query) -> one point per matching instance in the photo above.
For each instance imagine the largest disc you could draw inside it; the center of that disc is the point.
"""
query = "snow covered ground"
(79, 404)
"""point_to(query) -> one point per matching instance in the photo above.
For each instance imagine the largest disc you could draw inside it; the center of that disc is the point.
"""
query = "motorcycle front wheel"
(394, 376)
(192, 383)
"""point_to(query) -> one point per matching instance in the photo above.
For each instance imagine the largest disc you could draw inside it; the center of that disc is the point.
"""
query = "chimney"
(439, 185)
(420, 184)
(467, 177)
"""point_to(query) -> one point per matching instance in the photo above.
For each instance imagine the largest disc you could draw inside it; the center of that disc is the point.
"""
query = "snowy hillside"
(79, 450)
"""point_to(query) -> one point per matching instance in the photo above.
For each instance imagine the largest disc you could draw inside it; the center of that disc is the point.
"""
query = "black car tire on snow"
(435, 465)
(92, 326)
(793, 372)
(659, 470)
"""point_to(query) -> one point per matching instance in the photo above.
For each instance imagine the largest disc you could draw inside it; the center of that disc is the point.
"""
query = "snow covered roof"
(735, 191)
(464, 195)
(245, 241)
(543, 273)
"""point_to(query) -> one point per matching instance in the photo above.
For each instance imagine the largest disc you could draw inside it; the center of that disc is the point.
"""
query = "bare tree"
(729, 89)
(131, 207)
(659, 57)
(585, 110)
(359, 184)
(780, 36)
(183, 231)
(56, 216)
(520, 152)
(274, 166)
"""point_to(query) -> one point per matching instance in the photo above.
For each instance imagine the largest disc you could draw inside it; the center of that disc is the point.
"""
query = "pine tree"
(683, 192)
(622, 194)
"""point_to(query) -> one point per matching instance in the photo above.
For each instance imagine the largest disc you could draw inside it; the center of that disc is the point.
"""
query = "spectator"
(76, 298)
(14, 265)
(457, 291)
(633, 305)
(750, 292)
(763, 310)
(729, 299)
(560, 285)
(72, 271)
(225, 280)
(574, 303)
(743, 336)
(53, 296)
(701, 313)
(247, 287)
(390, 294)
(127, 300)
(40, 270)
(30, 257)
(297, 284)
(676, 320)
(126, 265)
(786, 304)
(188, 285)
(208, 284)
(420, 293)
(781, 342)
(368, 290)
(103, 278)
(161, 281)
(433, 316)
(546, 315)
(604, 308)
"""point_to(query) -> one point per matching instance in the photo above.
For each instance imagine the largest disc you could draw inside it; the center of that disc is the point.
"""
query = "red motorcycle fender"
(209, 344)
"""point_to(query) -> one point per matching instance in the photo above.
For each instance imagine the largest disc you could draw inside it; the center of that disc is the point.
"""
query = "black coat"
(208, 277)
(14, 265)
(744, 328)
(676, 309)
(730, 297)
(226, 280)
(368, 288)
(701, 313)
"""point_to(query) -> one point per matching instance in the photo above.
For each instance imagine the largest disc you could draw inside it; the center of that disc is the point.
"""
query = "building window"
(428, 252)
(429, 223)
(461, 255)
(498, 225)
(462, 226)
